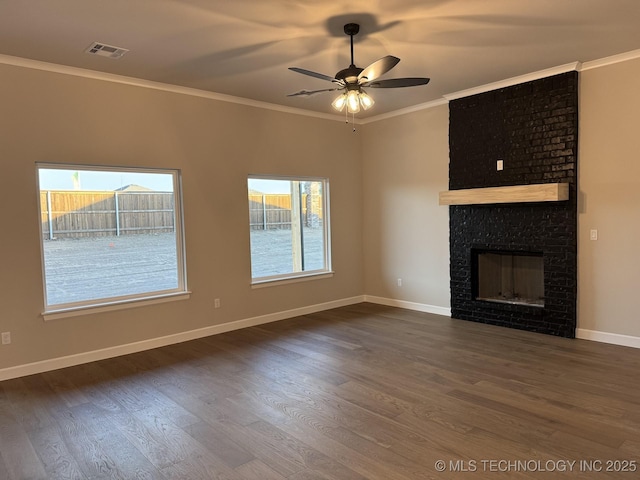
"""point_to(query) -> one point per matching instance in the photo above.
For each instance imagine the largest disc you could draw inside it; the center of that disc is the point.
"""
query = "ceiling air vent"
(106, 50)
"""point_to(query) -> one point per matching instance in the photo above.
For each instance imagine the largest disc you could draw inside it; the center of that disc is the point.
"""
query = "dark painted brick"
(533, 128)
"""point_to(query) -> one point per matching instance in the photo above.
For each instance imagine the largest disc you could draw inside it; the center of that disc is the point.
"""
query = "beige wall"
(59, 118)
(609, 179)
(406, 233)
(386, 222)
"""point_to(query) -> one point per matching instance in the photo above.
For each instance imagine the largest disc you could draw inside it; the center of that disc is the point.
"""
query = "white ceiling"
(243, 47)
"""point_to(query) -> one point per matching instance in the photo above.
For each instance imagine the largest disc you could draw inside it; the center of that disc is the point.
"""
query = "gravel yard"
(267, 260)
(85, 268)
(80, 269)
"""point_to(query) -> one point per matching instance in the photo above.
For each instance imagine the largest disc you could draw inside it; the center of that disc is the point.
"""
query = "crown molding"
(404, 111)
(194, 92)
(509, 82)
(165, 87)
(603, 62)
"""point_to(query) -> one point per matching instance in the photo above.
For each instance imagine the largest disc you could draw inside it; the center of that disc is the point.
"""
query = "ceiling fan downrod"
(350, 74)
(352, 29)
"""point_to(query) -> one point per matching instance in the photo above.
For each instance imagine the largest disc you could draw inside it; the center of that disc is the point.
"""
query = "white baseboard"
(419, 307)
(584, 334)
(102, 354)
(605, 337)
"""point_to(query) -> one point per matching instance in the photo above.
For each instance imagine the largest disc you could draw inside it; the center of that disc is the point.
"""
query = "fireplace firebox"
(511, 277)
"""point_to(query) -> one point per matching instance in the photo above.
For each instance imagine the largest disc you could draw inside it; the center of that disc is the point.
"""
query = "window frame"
(292, 277)
(101, 304)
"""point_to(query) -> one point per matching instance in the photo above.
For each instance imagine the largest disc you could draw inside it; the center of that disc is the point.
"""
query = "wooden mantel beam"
(543, 192)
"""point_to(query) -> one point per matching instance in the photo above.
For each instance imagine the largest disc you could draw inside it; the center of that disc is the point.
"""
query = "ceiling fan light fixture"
(365, 100)
(353, 101)
(340, 102)
(351, 80)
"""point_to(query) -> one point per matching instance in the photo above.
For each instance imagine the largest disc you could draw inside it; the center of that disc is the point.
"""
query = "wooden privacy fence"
(273, 211)
(96, 213)
(68, 214)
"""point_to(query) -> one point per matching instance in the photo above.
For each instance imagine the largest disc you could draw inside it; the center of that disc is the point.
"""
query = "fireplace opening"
(508, 277)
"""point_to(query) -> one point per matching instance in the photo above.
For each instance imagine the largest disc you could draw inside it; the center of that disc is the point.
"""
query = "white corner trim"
(418, 307)
(110, 352)
(509, 82)
(603, 62)
(606, 337)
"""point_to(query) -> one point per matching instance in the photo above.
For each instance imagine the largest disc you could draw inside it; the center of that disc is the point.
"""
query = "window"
(288, 223)
(109, 235)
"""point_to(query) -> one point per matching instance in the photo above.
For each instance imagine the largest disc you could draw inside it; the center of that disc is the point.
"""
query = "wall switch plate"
(399, 282)
(593, 234)
(500, 165)
(6, 338)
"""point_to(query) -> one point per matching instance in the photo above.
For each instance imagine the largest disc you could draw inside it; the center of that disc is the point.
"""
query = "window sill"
(55, 314)
(292, 279)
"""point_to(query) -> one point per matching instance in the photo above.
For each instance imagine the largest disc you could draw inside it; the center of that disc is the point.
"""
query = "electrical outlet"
(399, 282)
(216, 303)
(593, 234)
(500, 165)
(6, 338)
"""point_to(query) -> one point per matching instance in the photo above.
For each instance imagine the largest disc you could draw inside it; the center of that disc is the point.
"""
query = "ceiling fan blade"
(397, 82)
(377, 68)
(321, 76)
(308, 93)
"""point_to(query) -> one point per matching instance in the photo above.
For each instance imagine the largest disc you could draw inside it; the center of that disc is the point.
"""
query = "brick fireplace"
(532, 128)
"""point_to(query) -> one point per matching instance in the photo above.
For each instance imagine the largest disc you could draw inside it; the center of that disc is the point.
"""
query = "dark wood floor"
(361, 392)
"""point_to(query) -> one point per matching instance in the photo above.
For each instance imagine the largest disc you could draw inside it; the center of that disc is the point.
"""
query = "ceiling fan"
(352, 79)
